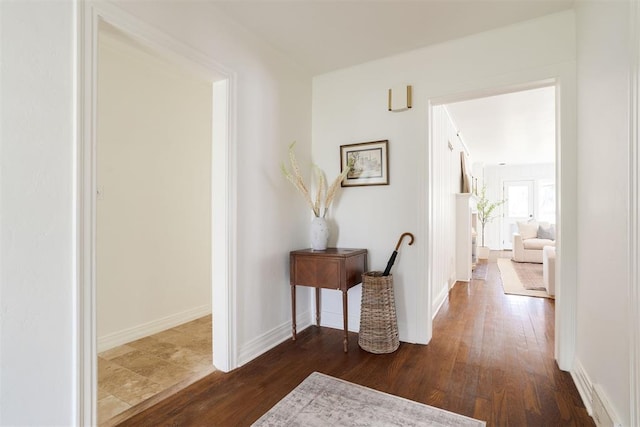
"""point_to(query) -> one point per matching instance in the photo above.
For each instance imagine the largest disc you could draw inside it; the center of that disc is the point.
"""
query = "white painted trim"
(493, 91)
(566, 214)
(602, 411)
(133, 333)
(439, 301)
(159, 42)
(424, 299)
(272, 338)
(91, 13)
(330, 319)
(87, 366)
(223, 228)
(583, 384)
(634, 216)
(86, 380)
(589, 392)
(458, 134)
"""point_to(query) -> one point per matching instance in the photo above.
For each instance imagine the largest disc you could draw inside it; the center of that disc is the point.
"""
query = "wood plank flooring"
(491, 358)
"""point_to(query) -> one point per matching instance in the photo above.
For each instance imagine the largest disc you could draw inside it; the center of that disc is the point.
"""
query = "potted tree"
(486, 213)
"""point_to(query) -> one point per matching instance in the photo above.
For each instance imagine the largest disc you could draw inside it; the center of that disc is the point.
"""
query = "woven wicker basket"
(378, 321)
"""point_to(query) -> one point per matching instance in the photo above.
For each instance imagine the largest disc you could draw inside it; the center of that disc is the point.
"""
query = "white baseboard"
(583, 384)
(452, 280)
(603, 413)
(124, 336)
(335, 321)
(594, 398)
(439, 300)
(272, 338)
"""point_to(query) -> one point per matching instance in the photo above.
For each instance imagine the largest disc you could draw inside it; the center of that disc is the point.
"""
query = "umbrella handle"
(402, 237)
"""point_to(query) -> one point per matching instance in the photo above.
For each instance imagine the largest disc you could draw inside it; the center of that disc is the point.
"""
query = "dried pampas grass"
(295, 177)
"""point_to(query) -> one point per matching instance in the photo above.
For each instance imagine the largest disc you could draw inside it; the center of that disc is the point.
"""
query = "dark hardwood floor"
(491, 358)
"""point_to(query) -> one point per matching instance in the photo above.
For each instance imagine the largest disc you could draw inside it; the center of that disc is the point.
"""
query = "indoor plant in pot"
(323, 197)
(486, 213)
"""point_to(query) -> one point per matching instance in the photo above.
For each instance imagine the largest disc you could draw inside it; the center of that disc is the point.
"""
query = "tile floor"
(137, 371)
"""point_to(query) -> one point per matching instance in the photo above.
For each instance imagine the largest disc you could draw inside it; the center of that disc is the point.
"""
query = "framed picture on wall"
(465, 181)
(369, 163)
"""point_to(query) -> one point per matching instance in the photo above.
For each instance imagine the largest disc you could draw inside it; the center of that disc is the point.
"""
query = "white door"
(518, 207)
(546, 204)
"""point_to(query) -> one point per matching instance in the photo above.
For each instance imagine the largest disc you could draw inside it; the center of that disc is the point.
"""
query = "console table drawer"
(309, 272)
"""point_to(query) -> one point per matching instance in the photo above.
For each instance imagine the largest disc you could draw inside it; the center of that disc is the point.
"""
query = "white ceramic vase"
(319, 234)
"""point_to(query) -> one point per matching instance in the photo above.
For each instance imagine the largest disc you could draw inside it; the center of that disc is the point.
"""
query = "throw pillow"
(547, 232)
(528, 230)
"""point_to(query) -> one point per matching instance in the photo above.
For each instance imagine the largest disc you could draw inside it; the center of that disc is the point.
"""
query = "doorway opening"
(212, 193)
(153, 225)
(496, 175)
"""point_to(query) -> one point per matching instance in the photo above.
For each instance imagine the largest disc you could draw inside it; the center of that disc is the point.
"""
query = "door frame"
(223, 209)
(634, 216)
(562, 77)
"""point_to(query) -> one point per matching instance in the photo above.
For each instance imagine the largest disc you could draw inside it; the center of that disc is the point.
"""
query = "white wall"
(602, 349)
(38, 382)
(447, 175)
(495, 176)
(154, 202)
(37, 228)
(349, 106)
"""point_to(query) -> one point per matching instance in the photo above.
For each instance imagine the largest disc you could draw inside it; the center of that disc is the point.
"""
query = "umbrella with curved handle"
(395, 253)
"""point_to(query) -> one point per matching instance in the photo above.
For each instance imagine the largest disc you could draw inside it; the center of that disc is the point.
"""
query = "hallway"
(491, 358)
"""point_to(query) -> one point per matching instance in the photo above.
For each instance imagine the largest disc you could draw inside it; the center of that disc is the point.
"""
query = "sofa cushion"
(528, 230)
(537, 244)
(546, 231)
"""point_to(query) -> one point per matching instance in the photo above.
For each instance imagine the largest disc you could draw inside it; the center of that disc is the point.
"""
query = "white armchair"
(529, 241)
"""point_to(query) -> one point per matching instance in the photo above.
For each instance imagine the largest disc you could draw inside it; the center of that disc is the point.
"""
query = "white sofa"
(549, 269)
(530, 239)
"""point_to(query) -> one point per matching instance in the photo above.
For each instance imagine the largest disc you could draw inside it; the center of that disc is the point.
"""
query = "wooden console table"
(333, 268)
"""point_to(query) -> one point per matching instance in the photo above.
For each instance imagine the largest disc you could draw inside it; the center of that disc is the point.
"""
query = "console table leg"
(293, 312)
(345, 316)
(317, 306)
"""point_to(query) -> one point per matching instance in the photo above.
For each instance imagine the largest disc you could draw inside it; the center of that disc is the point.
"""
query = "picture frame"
(370, 162)
(465, 181)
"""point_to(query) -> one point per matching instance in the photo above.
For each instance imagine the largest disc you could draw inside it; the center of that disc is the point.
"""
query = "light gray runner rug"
(321, 400)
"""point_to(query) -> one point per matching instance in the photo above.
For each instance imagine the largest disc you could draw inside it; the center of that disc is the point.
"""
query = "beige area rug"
(522, 278)
(321, 400)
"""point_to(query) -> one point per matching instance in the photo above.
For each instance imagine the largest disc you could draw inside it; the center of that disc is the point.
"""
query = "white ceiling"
(515, 128)
(326, 35)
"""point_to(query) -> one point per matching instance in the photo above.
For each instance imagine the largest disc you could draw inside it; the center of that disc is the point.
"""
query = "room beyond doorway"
(222, 83)
(153, 225)
(565, 143)
(136, 375)
(511, 141)
(153, 210)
